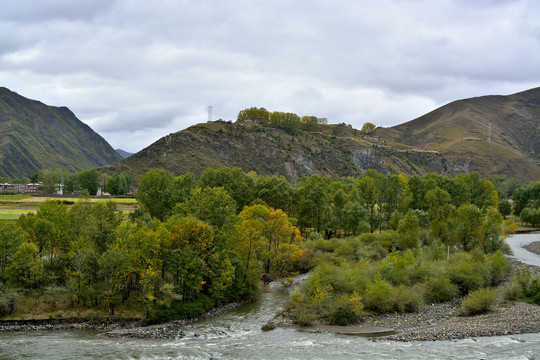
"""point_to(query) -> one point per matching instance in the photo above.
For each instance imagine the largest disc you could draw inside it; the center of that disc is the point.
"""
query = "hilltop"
(35, 136)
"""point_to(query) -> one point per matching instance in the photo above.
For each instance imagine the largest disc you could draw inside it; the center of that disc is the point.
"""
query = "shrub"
(512, 290)
(405, 299)
(478, 302)
(342, 316)
(531, 290)
(8, 300)
(374, 251)
(346, 310)
(345, 251)
(440, 289)
(181, 310)
(304, 315)
(468, 276)
(377, 295)
(499, 267)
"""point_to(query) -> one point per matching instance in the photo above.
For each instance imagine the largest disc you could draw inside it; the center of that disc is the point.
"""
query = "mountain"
(124, 154)
(35, 136)
(493, 135)
(334, 150)
(450, 140)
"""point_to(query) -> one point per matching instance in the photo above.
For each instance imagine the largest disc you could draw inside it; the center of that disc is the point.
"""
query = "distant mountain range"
(34, 136)
(493, 135)
(123, 153)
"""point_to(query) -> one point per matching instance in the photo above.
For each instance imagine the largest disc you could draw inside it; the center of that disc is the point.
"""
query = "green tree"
(355, 218)
(259, 115)
(89, 180)
(441, 211)
(313, 202)
(368, 191)
(505, 208)
(239, 185)
(368, 129)
(155, 193)
(26, 268)
(276, 192)
(397, 195)
(212, 205)
(409, 231)
(114, 269)
(11, 237)
(469, 232)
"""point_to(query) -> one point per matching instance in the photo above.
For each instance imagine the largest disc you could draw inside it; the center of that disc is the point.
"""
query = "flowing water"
(237, 335)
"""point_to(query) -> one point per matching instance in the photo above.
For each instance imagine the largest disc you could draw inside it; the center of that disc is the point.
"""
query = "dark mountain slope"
(35, 136)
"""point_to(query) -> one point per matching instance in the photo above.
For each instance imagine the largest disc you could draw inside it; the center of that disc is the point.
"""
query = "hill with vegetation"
(35, 136)
(493, 135)
(331, 150)
(450, 140)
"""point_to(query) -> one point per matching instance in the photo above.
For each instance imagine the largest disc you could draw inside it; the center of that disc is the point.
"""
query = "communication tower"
(210, 107)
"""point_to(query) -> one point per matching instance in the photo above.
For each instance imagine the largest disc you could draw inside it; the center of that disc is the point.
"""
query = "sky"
(137, 70)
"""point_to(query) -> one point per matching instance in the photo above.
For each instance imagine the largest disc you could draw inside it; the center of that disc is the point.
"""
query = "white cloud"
(137, 70)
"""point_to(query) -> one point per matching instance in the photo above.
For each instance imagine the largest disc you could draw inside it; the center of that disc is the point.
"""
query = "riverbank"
(113, 326)
(533, 247)
(99, 324)
(438, 321)
(173, 329)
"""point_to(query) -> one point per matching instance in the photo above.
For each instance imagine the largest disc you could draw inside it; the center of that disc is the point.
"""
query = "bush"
(377, 295)
(8, 300)
(468, 276)
(181, 310)
(531, 290)
(499, 267)
(374, 251)
(478, 302)
(440, 289)
(347, 310)
(405, 299)
(342, 316)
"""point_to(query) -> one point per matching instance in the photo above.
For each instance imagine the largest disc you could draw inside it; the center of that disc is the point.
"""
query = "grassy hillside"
(459, 131)
(334, 150)
(35, 136)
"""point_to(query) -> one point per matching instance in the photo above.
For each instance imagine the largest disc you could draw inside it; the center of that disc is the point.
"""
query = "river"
(237, 335)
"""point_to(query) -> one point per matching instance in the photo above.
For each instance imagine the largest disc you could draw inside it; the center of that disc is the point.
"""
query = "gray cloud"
(137, 70)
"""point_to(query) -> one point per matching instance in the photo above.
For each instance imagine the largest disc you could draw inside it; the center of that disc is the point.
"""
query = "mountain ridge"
(449, 140)
(35, 136)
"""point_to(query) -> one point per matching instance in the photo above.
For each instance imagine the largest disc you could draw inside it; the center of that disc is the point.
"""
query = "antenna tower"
(210, 107)
(489, 132)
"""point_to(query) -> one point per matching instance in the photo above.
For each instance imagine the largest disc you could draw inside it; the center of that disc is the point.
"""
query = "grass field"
(13, 197)
(13, 206)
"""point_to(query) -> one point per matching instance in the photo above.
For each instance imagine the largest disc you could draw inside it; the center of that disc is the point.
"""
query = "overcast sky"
(138, 70)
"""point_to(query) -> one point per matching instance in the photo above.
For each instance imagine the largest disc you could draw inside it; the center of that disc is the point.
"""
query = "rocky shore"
(171, 330)
(100, 324)
(533, 247)
(440, 321)
(115, 327)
